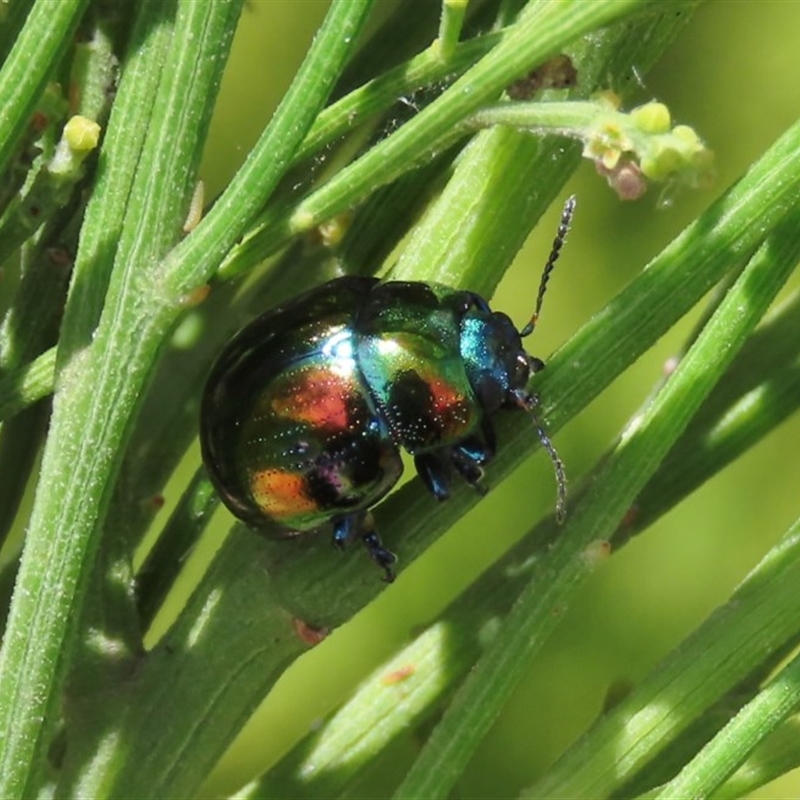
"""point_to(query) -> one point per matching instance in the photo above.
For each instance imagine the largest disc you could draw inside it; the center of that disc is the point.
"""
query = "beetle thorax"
(496, 363)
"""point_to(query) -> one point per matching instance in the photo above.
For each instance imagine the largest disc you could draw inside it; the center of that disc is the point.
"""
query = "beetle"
(306, 409)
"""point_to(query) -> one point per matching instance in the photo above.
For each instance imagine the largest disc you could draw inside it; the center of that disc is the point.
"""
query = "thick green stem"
(99, 390)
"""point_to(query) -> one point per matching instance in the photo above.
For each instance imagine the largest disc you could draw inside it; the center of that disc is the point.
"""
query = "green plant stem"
(759, 620)
(501, 184)
(45, 36)
(166, 559)
(395, 699)
(567, 119)
(123, 141)
(760, 391)
(381, 93)
(775, 756)
(453, 12)
(563, 569)
(198, 719)
(731, 746)
(98, 393)
(194, 260)
(25, 386)
(399, 37)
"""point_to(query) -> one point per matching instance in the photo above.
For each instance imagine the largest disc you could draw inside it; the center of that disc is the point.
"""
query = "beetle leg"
(470, 472)
(467, 457)
(475, 449)
(489, 438)
(360, 525)
(434, 473)
(380, 555)
(344, 529)
(471, 453)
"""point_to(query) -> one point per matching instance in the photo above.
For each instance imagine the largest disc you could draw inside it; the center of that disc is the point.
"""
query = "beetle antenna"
(555, 252)
(558, 468)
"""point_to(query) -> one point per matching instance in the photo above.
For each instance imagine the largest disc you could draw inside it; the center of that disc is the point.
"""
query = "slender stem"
(759, 391)
(453, 12)
(44, 37)
(197, 257)
(28, 384)
(731, 746)
(166, 559)
(380, 93)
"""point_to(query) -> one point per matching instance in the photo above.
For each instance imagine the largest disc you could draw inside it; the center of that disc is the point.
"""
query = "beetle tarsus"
(468, 464)
(380, 555)
(361, 526)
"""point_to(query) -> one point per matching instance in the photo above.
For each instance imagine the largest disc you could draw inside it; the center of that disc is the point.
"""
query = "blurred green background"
(732, 75)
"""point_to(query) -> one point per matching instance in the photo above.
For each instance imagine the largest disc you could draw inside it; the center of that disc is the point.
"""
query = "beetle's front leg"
(361, 525)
